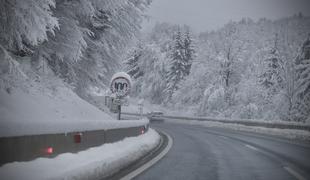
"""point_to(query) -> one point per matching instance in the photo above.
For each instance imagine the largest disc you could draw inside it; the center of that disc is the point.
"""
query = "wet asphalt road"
(220, 154)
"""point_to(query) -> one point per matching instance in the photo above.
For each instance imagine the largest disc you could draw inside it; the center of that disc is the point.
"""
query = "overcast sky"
(204, 15)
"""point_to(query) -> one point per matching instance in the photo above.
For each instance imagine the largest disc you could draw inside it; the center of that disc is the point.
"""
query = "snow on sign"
(121, 84)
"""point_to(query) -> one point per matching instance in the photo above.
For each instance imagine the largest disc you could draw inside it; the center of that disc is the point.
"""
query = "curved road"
(221, 154)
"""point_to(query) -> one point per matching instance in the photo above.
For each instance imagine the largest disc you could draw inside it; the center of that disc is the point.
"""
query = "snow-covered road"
(215, 153)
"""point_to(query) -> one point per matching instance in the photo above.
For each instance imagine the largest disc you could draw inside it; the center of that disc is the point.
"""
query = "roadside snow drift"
(31, 113)
(94, 163)
(285, 133)
(32, 104)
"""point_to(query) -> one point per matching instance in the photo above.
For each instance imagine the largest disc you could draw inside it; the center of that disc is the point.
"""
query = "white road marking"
(251, 147)
(224, 137)
(288, 169)
(294, 173)
(151, 162)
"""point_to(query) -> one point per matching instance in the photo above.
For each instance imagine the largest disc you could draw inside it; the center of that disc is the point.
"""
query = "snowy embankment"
(31, 104)
(29, 113)
(94, 163)
(285, 133)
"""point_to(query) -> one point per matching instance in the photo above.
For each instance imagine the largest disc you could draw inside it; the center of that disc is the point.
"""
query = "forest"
(248, 69)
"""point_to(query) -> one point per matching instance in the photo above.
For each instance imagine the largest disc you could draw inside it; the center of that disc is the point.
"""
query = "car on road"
(155, 116)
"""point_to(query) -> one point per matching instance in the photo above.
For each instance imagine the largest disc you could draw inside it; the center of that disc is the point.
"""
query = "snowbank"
(43, 104)
(25, 113)
(285, 133)
(93, 163)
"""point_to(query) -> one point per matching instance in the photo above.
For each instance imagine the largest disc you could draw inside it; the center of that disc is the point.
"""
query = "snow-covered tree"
(229, 46)
(303, 82)
(86, 50)
(151, 81)
(177, 70)
(272, 76)
(189, 51)
(132, 62)
(25, 24)
(63, 52)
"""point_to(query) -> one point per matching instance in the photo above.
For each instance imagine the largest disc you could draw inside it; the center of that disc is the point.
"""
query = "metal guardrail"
(242, 122)
(26, 148)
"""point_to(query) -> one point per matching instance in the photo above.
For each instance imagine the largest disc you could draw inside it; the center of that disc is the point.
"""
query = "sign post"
(119, 108)
(120, 86)
(140, 104)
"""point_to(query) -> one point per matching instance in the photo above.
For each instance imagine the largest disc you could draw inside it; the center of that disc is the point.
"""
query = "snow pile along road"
(49, 107)
(93, 163)
(28, 114)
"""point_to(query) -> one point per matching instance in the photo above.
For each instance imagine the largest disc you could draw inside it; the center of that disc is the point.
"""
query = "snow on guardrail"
(26, 148)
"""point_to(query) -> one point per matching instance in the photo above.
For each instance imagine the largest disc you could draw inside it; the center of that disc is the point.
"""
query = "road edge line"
(251, 147)
(152, 162)
(294, 173)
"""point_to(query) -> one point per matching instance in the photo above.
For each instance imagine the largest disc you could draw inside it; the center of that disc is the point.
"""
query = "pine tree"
(132, 63)
(178, 66)
(86, 49)
(303, 82)
(189, 51)
(271, 78)
(25, 24)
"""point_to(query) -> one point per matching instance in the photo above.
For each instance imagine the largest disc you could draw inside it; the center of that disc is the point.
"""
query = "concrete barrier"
(26, 148)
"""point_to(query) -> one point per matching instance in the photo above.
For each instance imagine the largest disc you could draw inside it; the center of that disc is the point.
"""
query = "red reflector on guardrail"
(49, 150)
(78, 138)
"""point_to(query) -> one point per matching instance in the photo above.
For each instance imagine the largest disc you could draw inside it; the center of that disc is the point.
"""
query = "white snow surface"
(94, 163)
(49, 107)
(147, 107)
(285, 133)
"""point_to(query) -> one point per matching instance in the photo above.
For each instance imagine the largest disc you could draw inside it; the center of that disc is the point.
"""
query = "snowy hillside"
(52, 54)
(43, 104)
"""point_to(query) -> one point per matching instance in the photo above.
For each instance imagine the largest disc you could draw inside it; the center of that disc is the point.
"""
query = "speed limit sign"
(120, 84)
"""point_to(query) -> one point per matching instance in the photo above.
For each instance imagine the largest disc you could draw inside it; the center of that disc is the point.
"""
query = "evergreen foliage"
(26, 24)
(272, 78)
(79, 41)
(189, 51)
(303, 82)
(132, 62)
(181, 56)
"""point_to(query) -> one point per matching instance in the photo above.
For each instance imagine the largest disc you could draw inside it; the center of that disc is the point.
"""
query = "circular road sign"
(120, 84)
